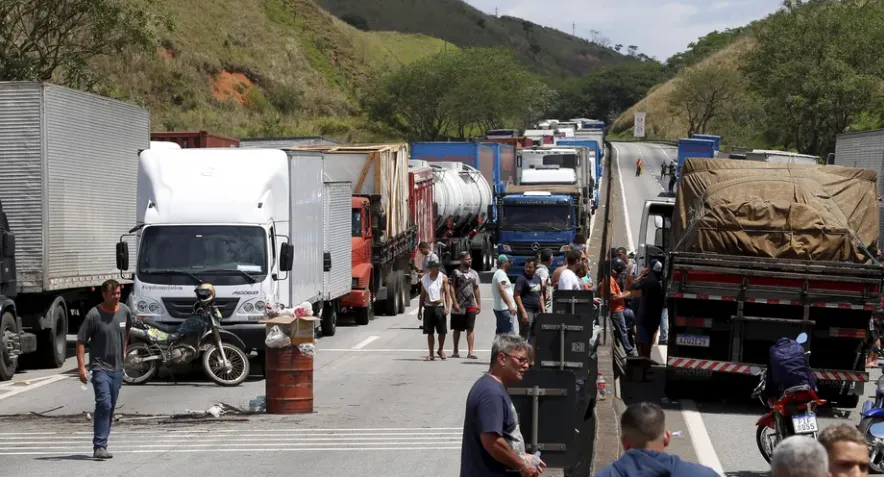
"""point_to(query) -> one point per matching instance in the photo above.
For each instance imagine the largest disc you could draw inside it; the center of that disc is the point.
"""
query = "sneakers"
(102, 453)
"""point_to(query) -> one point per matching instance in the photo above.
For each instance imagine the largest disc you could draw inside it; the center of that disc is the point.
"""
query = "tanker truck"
(467, 175)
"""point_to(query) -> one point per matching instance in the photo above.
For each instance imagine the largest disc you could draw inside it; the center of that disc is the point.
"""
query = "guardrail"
(668, 142)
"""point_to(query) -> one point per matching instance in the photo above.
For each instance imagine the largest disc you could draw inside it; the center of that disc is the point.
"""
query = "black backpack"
(788, 367)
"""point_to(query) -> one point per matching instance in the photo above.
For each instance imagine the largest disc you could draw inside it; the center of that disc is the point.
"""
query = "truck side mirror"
(122, 256)
(8, 245)
(286, 257)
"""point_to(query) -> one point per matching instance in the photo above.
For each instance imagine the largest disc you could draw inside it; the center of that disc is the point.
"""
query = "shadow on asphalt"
(746, 473)
(59, 458)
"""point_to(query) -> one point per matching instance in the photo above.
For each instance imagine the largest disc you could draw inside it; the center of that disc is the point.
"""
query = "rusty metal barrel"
(289, 381)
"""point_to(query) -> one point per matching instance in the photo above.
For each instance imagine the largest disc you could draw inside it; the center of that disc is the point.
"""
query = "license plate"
(692, 340)
(804, 424)
(693, 373)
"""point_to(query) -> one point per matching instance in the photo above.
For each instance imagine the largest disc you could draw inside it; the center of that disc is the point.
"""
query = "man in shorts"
(436, 301)
(465, 304)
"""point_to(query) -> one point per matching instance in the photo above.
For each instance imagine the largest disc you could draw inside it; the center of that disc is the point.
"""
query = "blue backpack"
(788, 367)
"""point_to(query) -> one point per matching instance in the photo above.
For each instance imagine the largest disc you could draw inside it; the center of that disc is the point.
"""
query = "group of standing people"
(670, 170)
(637, 303)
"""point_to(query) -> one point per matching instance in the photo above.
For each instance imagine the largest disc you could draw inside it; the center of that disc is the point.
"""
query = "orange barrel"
(289, 381)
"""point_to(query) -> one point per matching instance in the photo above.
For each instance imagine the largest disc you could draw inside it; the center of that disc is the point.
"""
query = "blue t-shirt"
(529, 290)
(489, 409)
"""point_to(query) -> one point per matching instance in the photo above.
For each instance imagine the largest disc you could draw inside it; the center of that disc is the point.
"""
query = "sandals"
(429, 358)
(442, 355)
(472, 356)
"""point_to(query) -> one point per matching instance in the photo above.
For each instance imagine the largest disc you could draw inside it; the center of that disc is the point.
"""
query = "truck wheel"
(364, 315)
(8, 330)
(390, 306)
(406, 293)
(848, 401)
(402, 294)
(330, 318)
(52, 347)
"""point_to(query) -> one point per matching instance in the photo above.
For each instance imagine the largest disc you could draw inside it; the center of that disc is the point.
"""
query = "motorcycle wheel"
(214, 368)
(140, 350)
(763, 442)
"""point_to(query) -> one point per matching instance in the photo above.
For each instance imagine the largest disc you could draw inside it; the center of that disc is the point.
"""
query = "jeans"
(527, 331)
(619, 319)
(507, 323)
(664, 327)
(107, 388)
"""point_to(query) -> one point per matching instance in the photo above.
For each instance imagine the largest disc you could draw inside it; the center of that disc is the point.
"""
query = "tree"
(55, 40)
(700, 93)
(608, 91)
(356, 21)
(632, 49)
(817, 68)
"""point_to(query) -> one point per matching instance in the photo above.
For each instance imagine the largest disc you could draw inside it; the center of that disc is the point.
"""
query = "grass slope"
(259, 68)
(556, 53)
(666, 122)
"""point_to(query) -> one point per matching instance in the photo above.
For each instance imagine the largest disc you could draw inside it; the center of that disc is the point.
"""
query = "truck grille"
(527, 248)
(183, 307)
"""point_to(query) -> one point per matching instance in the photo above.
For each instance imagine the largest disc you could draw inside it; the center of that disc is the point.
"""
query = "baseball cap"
(432, 264)
(502, 258)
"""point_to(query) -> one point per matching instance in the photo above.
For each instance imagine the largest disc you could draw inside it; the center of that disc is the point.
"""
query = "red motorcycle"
(792, 414)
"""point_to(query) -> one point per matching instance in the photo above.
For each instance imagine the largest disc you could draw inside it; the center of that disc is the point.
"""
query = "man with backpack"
(787, 368)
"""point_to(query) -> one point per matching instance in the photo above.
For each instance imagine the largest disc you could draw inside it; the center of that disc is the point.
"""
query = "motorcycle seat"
(161, 326)
(796, 389)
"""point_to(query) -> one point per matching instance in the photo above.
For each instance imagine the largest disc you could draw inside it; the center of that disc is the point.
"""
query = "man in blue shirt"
(493, 445)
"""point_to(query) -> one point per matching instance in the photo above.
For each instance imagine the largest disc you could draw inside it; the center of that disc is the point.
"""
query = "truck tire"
(848, 401)
(330, 318)
(364, 315)
(8, 329)
(402, 292)
(406, 293)
(392, 293)
(52, 345)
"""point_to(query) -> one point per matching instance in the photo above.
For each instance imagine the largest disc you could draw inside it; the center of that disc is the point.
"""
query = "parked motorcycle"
(871, 425)
(200, 336)
(792, 414)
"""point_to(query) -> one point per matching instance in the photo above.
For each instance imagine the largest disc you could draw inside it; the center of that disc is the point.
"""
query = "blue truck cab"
(711, 137)
(694, 147)
(532, 220)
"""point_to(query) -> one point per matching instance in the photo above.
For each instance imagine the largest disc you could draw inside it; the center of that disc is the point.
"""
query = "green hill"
(259, 68)
(547, 51)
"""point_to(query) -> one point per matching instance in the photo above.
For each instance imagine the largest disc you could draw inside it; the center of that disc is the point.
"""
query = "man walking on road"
(493, 445)
(106, 331)
(672, 172)
(502, 293)
(847, 450)
(465, 303)
(436, 301)
(645, 438)
(529, 299)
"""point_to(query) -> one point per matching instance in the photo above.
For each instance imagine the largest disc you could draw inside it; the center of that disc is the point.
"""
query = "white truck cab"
(653, 235)
(222, 216)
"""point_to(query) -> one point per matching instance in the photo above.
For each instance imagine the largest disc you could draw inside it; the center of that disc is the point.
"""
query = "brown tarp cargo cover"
(758, 209)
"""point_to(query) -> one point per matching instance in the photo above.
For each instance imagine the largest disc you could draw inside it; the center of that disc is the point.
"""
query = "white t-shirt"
(568, 280)
(500, 277)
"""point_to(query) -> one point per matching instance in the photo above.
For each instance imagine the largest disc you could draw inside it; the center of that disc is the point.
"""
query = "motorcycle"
(871, 425)
(223, 354)
(794, 413)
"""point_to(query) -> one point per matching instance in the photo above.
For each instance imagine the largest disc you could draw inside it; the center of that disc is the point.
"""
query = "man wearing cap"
(504, 304)
(651, 307)
(465, 303)
(435, 299)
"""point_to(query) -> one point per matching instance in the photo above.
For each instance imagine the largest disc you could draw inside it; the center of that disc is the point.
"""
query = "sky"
(660, 28)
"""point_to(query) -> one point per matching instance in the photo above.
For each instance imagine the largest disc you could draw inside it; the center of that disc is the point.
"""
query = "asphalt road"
(380, 409)
(722, 433)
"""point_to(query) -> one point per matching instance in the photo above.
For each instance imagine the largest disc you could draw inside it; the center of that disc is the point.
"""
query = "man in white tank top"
(436, 300)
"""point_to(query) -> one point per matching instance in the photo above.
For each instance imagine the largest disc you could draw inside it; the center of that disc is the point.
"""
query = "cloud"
(660, 28)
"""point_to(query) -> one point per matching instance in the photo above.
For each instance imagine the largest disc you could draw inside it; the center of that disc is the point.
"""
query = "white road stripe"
(623, 198)
(88, 450)
(16, 390)
(375, 350)
(699, 436)
(366, 342)
(176, 431)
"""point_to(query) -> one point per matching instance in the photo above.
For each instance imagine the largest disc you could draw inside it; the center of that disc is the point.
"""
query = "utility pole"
(495, 13)
(573, 29)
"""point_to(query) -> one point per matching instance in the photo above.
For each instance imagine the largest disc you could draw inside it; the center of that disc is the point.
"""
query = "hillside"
(547, 51)
(665, 121)
(265, 67)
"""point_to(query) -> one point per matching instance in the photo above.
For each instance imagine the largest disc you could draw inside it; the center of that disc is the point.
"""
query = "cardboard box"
(300, 330)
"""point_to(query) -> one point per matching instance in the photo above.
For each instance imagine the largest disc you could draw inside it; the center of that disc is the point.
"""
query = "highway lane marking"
(366, 342)
(623, 198)
(16, 390)
(387, 350)
(699, 437)
(88, 449)
(210, 431)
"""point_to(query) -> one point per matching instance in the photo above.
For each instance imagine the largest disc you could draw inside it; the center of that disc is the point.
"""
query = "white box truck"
(248, 221)
(69, 163)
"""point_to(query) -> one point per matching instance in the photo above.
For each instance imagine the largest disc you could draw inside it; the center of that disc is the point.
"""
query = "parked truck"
(462, 226)
(421, 196)
(578, 158)
(693, 147)
(195, 139)
(382, 232)
(238, 219)
(56, 226)
(864, 150)
(802, 266)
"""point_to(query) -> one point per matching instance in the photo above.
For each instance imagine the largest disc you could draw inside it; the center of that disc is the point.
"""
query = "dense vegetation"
(794, 81)
(546, 51)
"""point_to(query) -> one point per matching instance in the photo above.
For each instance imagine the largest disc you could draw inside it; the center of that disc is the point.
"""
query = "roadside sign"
(639, 125)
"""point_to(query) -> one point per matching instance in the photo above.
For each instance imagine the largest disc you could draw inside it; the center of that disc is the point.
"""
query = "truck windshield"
(356, 224)
(536, 217)
(218, 254)
(565, 161)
